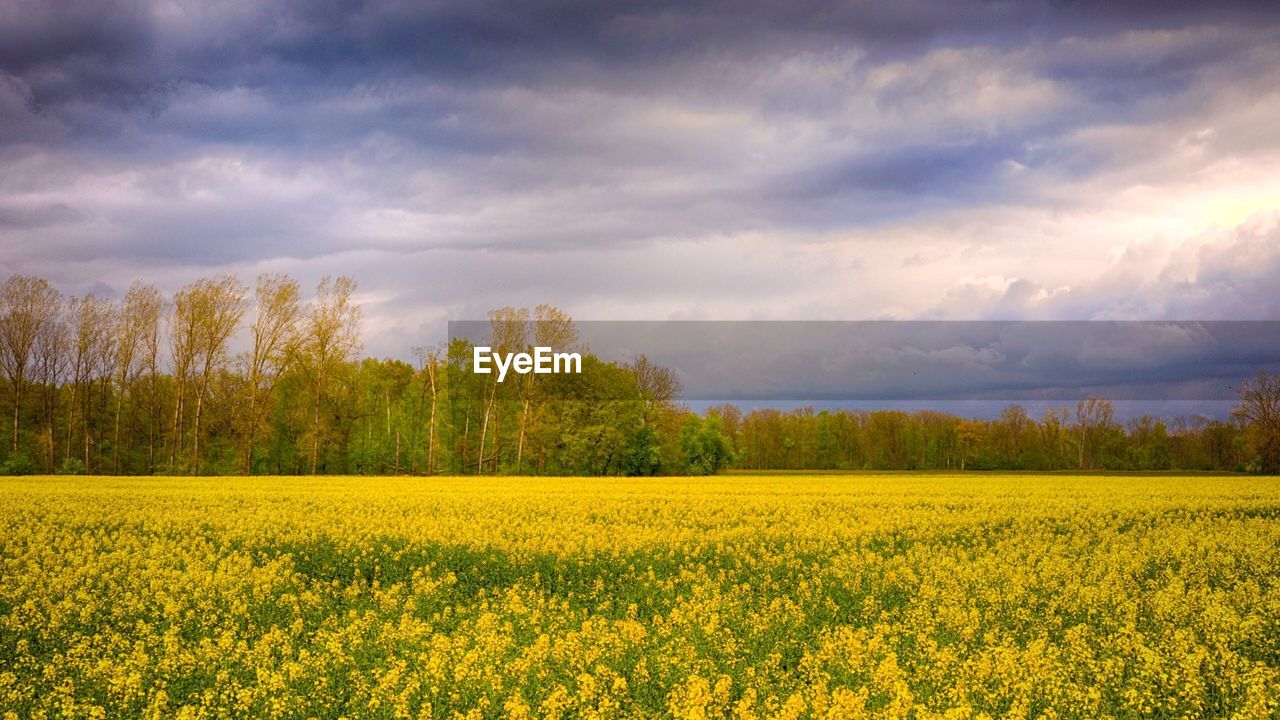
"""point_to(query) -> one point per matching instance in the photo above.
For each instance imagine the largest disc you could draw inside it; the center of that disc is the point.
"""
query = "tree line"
(1085, 436)
(151, 384)
(222, 378)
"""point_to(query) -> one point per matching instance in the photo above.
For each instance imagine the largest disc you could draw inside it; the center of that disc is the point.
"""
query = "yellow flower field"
(903, 596)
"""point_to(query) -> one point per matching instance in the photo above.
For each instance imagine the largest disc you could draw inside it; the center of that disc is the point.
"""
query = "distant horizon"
(1125, 411)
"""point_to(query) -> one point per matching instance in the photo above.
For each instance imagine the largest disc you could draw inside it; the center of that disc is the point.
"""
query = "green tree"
(707, 450)
(644, 452)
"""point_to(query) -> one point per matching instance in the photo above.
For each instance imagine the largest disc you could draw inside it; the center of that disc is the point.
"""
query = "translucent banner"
(881, 361)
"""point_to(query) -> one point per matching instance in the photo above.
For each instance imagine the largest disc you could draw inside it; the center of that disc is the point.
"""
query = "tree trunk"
(50, 452)
(524, 419)
(71, 408)
(315, 436)
(195, 432)
(484, 429)
(251, 433)
(115, 444)
(1080, 464)
(176, 447)
(88, 412)
(431, 435)
(152, 411)
(17, 404)
(247, 468)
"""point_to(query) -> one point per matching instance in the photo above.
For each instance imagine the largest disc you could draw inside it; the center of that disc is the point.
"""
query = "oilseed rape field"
(818, 596)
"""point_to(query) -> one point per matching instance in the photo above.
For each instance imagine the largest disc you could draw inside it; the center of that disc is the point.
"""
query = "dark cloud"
(891, 183)
(36, 36)
(666, 158)
(142, 56)
(932, 360)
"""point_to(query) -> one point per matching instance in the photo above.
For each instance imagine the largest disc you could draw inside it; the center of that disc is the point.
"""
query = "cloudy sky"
(690, 160)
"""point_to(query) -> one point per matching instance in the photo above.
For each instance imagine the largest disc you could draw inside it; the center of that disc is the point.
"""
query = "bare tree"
(51, 364)
(101, 365)
(552, 328)
(27, 305)
(220, 305)
(184, 336)
(330, 338)
(149, 317)
(1051, 427)
(206, 313)
(273, 335)
(1092, 414)
(92, 319)
(1011, 427)
(508, 328)
(136, 322)
(658, 386)
(1259, 408)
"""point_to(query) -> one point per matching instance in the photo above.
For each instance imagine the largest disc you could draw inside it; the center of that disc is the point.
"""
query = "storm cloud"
(704, 160)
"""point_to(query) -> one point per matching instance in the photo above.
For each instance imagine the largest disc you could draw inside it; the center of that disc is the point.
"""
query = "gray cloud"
(933, 360)
(662, 159)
